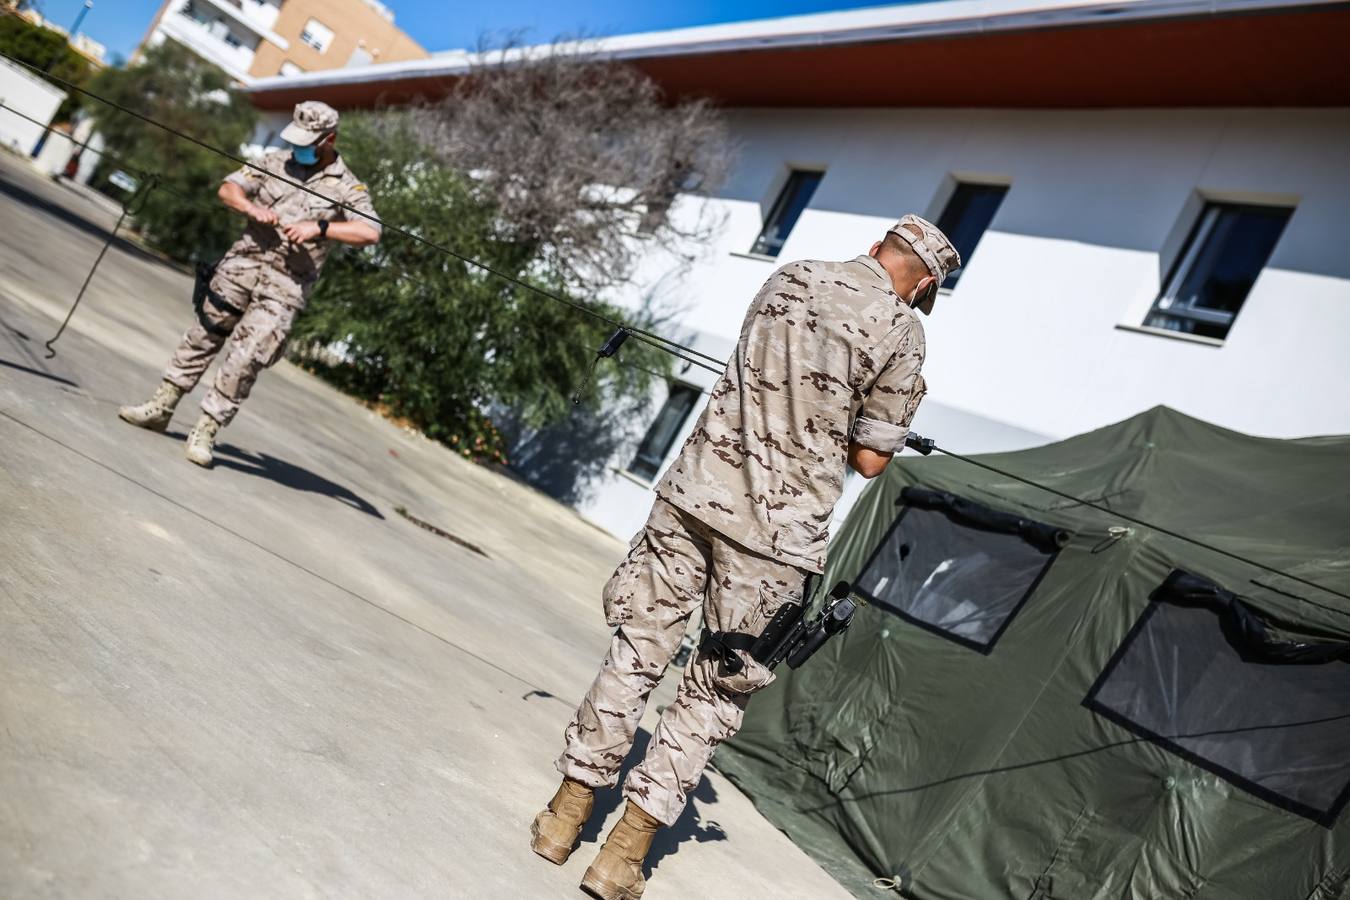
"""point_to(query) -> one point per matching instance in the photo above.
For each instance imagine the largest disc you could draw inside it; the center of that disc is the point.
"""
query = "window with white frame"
(786, 210)
(663, 431)
(317, 35)
(966, 217)
(1224, 253)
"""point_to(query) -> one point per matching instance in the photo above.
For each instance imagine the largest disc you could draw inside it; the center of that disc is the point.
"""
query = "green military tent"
(1043, 700)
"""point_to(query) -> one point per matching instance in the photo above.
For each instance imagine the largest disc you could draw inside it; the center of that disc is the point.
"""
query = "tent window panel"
(1279, 730)
(963, 582)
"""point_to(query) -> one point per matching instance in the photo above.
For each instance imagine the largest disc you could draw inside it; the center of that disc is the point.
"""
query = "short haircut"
(901, 247)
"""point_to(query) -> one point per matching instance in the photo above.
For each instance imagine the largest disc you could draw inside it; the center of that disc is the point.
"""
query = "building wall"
(180, 21)
(30, 95)
(274, 38)
(355, 23)
(1032, 343)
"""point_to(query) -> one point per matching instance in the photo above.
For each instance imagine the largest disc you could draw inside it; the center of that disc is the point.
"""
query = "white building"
(225, 33)
(253, 39)
(29, 103)
(1152, 198)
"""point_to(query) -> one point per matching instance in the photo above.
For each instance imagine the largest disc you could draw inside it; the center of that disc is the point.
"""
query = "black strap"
(722, 645)
(202, 294)
(221, 303)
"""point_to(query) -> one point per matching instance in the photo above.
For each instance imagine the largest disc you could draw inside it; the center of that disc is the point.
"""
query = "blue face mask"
(305, 156)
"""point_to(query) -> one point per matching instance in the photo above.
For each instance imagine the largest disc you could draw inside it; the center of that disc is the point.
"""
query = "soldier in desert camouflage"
(825, 376)
(261, 284)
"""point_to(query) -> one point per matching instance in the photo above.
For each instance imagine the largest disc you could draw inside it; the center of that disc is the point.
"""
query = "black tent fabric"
(1044, 701)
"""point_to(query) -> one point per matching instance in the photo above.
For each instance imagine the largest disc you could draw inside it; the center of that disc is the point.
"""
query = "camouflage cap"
(933, 247)
(312, 120)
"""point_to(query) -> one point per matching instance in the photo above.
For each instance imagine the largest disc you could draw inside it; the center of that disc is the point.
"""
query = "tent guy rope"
(687, 354)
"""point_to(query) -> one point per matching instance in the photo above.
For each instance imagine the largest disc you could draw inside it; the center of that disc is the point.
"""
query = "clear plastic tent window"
(953, 578)
(1277, 729)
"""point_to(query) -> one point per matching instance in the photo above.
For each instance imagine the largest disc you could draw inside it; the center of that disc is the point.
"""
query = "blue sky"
(442, 24)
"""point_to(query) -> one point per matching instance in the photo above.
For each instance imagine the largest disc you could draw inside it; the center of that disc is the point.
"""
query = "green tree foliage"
(43, 47)
(435, 340)
(174, 86)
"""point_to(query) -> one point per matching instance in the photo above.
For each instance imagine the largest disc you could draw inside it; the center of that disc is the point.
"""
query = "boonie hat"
(933, 247)
(312, 120)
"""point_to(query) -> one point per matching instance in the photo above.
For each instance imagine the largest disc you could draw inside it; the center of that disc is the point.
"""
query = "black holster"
(202, 294)
(788, 636)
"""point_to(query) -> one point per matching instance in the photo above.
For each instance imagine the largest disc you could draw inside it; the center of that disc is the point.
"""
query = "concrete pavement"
(260, 681)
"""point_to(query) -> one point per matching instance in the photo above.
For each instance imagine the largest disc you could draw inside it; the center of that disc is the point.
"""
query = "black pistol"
(789, 636)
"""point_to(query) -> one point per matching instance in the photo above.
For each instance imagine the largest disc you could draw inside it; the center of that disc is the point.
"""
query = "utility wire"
(641, 334)
(1140, 522)
(687, 354)
(670, 347)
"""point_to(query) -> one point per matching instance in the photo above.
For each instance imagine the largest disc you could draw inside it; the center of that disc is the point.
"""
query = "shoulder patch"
(360, 187)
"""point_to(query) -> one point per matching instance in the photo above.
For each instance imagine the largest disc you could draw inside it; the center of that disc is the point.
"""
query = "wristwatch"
(323, 229)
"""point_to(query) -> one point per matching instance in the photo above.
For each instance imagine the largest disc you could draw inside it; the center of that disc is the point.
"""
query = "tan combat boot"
(616, 873)
(156, 412)
(555, 830)
(201, 440)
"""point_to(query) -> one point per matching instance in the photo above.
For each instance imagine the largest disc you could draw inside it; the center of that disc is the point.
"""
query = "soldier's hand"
(301, 231)
(262, 215)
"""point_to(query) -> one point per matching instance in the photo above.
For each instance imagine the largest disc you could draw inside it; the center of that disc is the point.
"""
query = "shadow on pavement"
(38, 372)
(28, 198)
(292, 476)
(286, 474)
(690, 825)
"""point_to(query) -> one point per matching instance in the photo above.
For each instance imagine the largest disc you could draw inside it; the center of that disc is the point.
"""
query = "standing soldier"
(826, 374)
(261, 284)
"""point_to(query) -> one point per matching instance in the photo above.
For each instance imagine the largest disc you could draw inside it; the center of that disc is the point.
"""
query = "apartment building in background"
(253, 39)
(81, 43)
(1143, 221)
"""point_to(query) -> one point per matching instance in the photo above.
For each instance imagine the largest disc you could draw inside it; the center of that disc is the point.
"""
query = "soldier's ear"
(876, 248)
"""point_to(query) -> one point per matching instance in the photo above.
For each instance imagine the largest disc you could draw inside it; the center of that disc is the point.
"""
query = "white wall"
(177, 26)
(60, 146)
(264, 12)
(31, 96)
(1027, 348)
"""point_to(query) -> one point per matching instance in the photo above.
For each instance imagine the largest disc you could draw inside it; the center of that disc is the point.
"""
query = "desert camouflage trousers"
(249, 313)
(674, 565)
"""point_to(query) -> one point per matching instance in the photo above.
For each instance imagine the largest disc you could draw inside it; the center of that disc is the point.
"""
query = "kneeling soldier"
(261, 284)
(826, 375)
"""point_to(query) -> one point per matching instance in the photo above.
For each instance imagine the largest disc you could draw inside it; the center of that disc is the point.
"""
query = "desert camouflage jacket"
(335, 184)
(828, 353)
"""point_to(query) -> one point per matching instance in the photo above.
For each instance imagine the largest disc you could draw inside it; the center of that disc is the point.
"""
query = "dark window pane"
(791, 202)
(967, 217)
(960, 581)
(656, 443)
(1279, 730)
(1224, 254)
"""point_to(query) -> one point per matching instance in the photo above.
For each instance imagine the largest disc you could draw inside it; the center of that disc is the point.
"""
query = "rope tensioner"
(610, 348)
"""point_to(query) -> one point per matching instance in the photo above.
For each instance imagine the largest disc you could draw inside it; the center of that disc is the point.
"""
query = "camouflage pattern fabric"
(263, 281)
(828, 353)
(267, 244)
(675, 565)
(312, 120)
(253, 316)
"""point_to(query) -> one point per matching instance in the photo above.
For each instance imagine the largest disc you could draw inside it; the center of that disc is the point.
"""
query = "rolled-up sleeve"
(883, 422)
(357, 196)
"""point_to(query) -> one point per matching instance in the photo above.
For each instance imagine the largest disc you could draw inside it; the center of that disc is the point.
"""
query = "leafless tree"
(583, 155)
